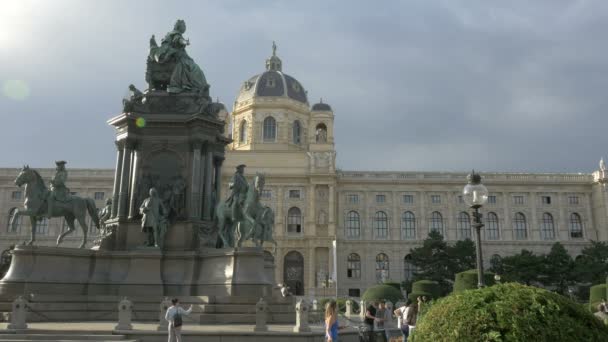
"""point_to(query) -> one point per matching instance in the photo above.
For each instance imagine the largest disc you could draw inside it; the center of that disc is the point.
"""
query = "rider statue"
(239, 186)
(59, 192)
(154, 220)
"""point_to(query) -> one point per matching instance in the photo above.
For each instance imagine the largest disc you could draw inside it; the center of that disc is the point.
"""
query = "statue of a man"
(154, 221)
(105, 213)
(59, 191)
(238, 185)
(178, 189)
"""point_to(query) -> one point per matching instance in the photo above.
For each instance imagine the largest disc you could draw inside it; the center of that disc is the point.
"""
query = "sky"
(443, 85)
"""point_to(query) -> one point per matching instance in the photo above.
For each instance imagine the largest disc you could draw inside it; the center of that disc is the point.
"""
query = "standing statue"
(321, 135)
(37, 195)
(238, 185)
(178, 198)
(59, 192)
(104, 214)
(154, 220)
(186, 76)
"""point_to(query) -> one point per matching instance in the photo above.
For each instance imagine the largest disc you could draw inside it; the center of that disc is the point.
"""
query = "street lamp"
(475, 195)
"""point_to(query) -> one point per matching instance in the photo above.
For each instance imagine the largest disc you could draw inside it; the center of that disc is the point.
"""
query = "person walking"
(331, 322)
(409, 314)
(370, 318)
(174, 317)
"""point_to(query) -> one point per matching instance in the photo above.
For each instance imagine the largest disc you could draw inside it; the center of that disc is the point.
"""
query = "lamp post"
(475, 196)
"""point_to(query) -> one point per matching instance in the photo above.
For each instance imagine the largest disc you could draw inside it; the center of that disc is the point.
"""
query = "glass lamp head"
(474, 193)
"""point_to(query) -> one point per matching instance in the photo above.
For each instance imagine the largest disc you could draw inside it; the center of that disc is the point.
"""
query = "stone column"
(208, 184)
(195, 182)
(18, 315)
(302, 309)
(117, 175)
(331, 216)
(506, 230)
(123, 196)
(311, 227)
(218, 179)
(312, 270)
(279, 216)
(133, 209)
(125, 308)
(260, 315)
(349, 308)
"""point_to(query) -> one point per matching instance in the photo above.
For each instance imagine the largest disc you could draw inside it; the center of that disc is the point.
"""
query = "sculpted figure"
(105, 213)
(134, 94)
(321, 135)
(186, 75)
(238, 185)
(154, 219)
(59, 192)
(178, 189)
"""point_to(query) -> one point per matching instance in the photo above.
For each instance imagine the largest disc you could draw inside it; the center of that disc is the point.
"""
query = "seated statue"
(171, 69)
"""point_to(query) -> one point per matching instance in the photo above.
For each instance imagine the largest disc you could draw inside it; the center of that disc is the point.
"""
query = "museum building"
(373, 218)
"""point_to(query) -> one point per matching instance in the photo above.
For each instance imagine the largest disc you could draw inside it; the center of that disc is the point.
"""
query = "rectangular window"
(408, 199)
(435, 199)
(491, 199)
(99, 195)
(352, 198)
(545, 199)
(294, 194)
(380, 198)
(572, 199)
(16, 195)
(266, 194)
(518, 199)
(354, 293)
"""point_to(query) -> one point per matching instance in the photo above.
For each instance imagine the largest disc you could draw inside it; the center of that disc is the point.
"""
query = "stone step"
(243, 308)
(62, 337)
(242, 318)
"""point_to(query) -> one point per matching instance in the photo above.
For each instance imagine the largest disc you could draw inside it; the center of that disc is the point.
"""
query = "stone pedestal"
(302, 310)
(125, 313)
(349, 308)
(261, 309)
(18, 314)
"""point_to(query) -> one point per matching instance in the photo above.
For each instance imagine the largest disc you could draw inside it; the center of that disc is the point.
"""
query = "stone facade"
(374, 217)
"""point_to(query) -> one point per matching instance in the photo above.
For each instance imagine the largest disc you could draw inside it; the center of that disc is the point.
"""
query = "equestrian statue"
(40, 203)
(241, 216)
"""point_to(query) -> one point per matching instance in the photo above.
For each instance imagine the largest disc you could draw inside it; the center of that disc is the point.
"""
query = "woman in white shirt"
(174, 317)
(405, 314)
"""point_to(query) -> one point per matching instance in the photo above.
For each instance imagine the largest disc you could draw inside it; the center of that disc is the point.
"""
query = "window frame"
(269, 129)
(380, 225)
(353, 266)
(408, 226)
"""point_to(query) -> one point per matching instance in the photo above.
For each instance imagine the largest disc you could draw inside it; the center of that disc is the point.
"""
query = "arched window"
(294, 221)
(321, 133)
(408, 225)
(436, 222)
(382, 268)
(243, 132)
(576, 226)
(353, 266)
(380, 225)
(520, 227)
(270, 129)
(353, 224)
(492, 232)
(17, 226)
(408, 268)
(297, 132)
(463, 226)
(293, 272)
(547, 227)
(42, 226)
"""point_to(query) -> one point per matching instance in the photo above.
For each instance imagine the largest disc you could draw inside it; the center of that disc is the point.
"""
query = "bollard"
(261, 308)
(389, 307)
(163, 324)
(362, 309)
(18, 314)
(349, 308)
(125, 310)
(315, 305)
(301, 317)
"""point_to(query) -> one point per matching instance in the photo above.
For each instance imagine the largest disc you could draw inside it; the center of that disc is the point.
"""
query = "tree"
(463, 255)
(592, 265)
(524, 267)
(558, 269)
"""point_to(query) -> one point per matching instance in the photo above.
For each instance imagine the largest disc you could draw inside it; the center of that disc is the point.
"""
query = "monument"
(165, 231)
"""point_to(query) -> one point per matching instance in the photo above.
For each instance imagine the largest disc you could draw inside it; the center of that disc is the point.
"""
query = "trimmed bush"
(393, 284)
(596, 294)
(427, 288)
(508, 312)
(467, 280)
(380, 292)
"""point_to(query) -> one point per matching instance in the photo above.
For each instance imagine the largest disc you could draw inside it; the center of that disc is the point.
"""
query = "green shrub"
(393, 284)
(508, 312)
(467, 280)
(428, 288)
(380, 292)
(596, 294)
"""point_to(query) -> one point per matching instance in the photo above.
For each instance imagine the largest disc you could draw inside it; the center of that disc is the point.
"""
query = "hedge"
(596, 294)
(467, 280)
(508, 312)
(427, 288)
(381, 292)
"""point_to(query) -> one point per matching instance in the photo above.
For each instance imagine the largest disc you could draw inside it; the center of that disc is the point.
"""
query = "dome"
(321, 107)
(273, 82)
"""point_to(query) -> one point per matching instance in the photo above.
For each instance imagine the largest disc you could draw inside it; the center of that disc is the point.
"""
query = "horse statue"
(35, 205)
(233, 231)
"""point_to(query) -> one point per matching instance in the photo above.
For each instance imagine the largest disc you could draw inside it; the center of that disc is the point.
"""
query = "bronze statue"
(105, 213)
(36, 194)
(154, 219)
(59, 192)
(238, 185)
(178, 196)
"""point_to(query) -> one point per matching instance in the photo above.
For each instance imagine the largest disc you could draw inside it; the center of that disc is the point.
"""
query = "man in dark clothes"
(370, 317)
